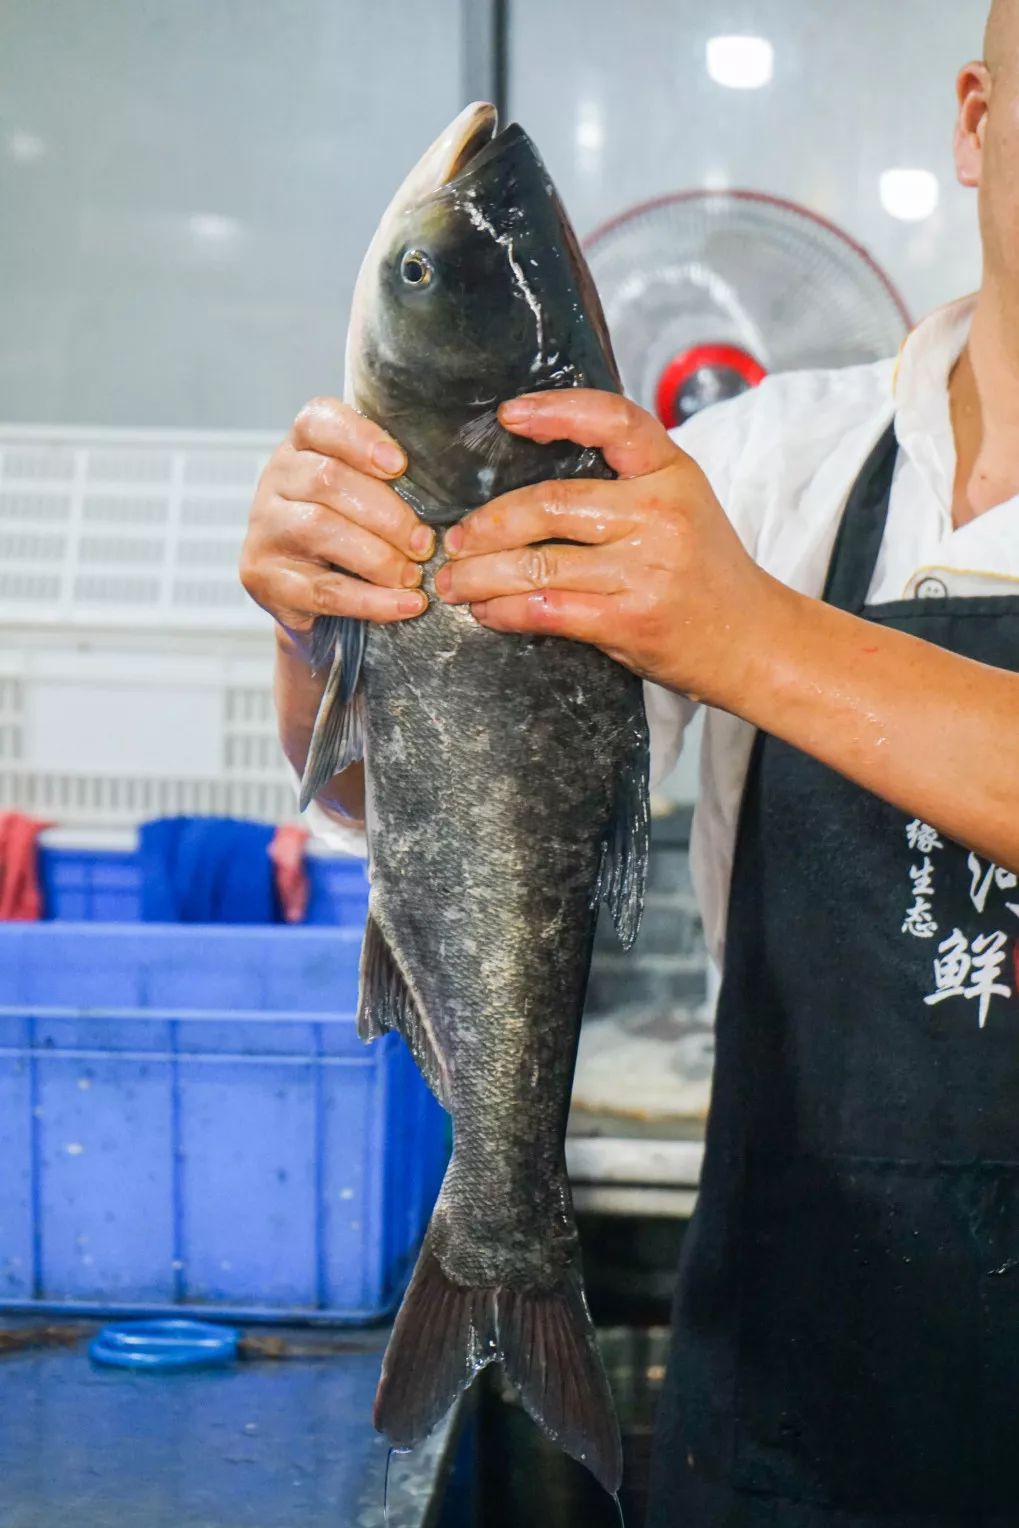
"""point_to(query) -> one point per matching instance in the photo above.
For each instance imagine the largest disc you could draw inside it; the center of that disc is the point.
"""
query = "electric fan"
(707, 292)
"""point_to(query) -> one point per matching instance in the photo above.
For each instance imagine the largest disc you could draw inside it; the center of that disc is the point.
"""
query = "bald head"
(1001, 40)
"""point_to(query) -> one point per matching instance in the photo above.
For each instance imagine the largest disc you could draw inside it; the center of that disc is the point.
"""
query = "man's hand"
(327, 535)
(646, 567)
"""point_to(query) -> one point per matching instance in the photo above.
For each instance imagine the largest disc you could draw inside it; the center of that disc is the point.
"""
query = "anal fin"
(387, 1003)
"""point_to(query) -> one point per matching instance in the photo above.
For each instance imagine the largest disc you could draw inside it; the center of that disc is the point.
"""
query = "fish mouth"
(464, 139)
(483, 152)
(472, 131)
(470, 141)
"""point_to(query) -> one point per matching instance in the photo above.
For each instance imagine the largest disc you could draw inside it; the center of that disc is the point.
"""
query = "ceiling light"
(590, 132)
(25, 147)
(910, 195)
(213, 227)
(741, 63)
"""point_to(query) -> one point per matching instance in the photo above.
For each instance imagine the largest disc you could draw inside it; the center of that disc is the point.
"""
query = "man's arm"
(935, 734)
(649, 569)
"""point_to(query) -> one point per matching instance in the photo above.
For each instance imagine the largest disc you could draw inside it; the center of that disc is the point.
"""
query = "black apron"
(846, 1336)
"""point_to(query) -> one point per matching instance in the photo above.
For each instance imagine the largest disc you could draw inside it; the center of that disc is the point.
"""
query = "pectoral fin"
(338, 737)
(386, 1002)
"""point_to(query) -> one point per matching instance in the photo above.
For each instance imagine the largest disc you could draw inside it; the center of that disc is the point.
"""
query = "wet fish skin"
(486, 847)
(506, 790)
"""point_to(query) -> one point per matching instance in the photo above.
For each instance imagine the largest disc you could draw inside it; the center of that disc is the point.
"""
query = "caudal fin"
(445, 1333)
(548, 1346)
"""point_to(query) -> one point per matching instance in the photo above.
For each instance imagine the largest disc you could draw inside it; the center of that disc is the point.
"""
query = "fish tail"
(446, 1332)
(548, 1347)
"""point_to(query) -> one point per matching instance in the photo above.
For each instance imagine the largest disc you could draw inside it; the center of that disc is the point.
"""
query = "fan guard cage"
(742, 272)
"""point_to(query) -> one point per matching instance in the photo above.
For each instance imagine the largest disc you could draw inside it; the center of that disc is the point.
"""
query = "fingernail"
(388, 456)
(516, 410)
(480, 610)
(412, 604)
(422, 542)
(443, 579)
(411, 577)
(454, 540)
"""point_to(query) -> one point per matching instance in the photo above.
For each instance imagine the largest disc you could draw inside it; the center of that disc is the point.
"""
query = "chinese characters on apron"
(986, 968)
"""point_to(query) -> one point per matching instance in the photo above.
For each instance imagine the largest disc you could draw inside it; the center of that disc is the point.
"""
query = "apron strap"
(862, 530)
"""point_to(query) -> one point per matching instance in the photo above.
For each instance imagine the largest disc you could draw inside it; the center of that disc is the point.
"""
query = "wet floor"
(285, 1444)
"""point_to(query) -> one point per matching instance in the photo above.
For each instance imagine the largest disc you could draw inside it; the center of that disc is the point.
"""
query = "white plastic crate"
(135, 674)
(128, 529)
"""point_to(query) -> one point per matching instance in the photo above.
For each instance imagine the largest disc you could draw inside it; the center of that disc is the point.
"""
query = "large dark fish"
(506, 787)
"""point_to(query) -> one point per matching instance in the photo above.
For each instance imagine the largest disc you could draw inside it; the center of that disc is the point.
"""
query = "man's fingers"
(570, 509)
(631, 440)
(295, 593)
(310, 477)
(335, 429)
(555, 613)
(315, 534)
(338, 594)
(531, 569)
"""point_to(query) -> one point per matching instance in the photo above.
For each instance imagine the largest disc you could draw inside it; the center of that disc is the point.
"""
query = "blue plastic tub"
(338, 891)
(189, 1122)
(90, 885)
(95, 885)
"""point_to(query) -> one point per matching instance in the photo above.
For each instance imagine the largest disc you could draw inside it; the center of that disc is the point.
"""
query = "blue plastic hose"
(162, 1346)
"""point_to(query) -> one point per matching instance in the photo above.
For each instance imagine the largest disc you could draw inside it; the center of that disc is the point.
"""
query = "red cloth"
(287, 854)
(20, 892)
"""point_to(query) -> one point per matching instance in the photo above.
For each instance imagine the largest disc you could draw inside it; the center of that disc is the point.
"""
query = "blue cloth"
(207, 870)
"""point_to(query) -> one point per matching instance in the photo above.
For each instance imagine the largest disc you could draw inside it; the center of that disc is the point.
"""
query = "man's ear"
(974, 92)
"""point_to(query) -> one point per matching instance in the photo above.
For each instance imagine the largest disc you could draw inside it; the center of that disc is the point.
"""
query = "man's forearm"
(298, 692)
(935, 734)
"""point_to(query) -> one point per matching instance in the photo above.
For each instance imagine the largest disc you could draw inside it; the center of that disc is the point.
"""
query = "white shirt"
(782, 460)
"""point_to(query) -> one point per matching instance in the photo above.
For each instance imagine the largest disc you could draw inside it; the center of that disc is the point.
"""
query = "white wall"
(186, 187)
(619, 99)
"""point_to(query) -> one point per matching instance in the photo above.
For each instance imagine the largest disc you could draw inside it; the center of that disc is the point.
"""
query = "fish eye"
(416, 268)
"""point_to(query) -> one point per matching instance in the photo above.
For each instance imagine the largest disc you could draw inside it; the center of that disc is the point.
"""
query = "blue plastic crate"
(338, 891)
(105, 886)
(188, 1120)
(90, 885)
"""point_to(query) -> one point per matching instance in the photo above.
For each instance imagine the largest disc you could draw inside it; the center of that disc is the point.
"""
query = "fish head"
(474, 290)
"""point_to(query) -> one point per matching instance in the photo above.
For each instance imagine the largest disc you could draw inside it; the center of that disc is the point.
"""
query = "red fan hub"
(702, 375)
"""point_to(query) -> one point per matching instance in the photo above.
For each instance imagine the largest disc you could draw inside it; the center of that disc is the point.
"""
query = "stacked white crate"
(135, 674)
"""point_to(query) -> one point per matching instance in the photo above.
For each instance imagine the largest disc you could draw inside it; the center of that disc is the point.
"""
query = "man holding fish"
(831, 565)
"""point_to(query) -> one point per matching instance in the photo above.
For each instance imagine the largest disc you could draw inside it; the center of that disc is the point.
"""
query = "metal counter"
(262, 1444)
